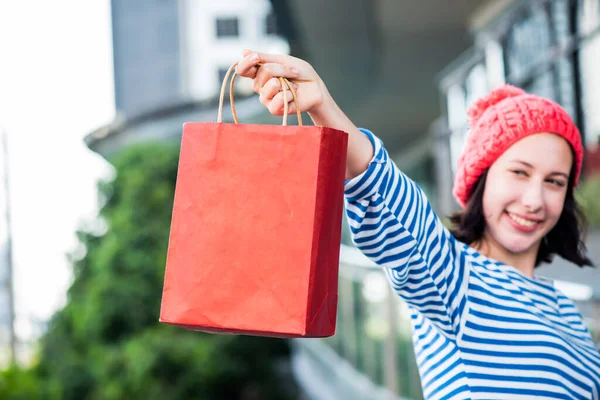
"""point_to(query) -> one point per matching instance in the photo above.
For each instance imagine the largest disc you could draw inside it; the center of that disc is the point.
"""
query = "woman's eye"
(556, 182)
(519, 172)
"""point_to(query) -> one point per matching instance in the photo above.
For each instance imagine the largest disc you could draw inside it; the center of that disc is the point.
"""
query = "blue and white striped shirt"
(481, 329)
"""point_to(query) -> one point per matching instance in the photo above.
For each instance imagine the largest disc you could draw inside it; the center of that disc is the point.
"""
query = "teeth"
(522, 221)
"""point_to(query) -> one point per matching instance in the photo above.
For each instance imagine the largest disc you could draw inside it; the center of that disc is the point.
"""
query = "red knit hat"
(502, 118)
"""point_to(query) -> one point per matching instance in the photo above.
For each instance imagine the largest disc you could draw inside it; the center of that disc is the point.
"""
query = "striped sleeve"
(392, 223)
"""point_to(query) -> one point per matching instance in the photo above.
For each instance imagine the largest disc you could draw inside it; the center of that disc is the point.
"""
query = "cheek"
(554, 206)
(488, 203)
(495, 199)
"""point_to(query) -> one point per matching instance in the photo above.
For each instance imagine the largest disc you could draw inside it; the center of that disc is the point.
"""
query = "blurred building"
(406, 69)
(146, 54)
(170, 58)
(171, 52)
(548, 47)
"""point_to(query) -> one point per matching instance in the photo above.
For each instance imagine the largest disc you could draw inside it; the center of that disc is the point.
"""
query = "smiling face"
(525, 193)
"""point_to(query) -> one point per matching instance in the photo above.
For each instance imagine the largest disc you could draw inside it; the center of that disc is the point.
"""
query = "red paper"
(255, 234)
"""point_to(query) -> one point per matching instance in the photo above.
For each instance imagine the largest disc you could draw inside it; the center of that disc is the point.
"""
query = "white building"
(171, 52)
(214, 35)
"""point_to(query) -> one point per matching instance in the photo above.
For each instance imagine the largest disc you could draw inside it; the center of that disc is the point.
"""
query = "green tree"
(18, 384)
(106, 343)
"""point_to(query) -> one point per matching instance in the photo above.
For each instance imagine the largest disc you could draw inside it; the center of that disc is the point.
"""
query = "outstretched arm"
(313, 98)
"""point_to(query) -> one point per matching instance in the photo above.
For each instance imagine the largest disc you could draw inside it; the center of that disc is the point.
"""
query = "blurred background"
(93, 96)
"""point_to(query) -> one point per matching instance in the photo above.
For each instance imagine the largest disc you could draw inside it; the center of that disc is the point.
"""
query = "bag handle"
(284, 83)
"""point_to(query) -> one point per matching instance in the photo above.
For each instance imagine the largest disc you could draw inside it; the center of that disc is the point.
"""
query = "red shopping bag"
(255, 233)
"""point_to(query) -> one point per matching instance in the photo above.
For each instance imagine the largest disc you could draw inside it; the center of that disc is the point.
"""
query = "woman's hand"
(264, 69)
(313, 97)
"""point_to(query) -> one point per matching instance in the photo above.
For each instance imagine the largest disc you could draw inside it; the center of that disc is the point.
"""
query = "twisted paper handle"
(284, 83)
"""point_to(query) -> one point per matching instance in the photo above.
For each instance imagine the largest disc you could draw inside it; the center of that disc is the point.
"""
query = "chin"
(517, 245)
(517, 249)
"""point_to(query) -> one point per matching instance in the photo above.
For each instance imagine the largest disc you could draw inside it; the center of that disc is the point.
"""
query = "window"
(227, 27)
(588, 20)
(271, 24)
(529, 43)
(528, 40)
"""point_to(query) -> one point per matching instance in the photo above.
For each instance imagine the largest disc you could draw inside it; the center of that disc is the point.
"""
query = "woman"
(485, 327)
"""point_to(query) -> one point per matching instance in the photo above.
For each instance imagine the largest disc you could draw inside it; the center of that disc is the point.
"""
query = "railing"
(371, 355)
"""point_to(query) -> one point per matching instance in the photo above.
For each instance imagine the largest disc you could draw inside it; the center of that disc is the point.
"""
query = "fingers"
(276, 105)
(271, 89)
(270, 70)
(273, 58)
(248, 66)
(264, 69)
(290, 67)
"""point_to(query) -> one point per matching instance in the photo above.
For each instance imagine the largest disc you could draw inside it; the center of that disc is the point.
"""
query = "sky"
(56, 86)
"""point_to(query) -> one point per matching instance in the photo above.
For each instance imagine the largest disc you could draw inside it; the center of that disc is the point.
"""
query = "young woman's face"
(525, 192)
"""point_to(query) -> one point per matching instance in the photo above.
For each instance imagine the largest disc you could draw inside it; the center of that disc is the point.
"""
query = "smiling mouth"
(527, 223)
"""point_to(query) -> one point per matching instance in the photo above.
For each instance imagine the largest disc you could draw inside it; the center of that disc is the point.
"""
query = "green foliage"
(18, 384)
(588, 196)
(107, 344)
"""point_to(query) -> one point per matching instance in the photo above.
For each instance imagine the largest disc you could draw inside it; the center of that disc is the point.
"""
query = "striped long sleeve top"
(481, 329)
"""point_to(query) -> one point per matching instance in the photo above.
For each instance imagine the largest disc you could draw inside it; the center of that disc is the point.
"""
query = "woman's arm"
(390, 218)
(313, 98)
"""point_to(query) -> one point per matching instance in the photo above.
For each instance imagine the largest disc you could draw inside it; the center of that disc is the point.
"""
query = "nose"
(533, 198)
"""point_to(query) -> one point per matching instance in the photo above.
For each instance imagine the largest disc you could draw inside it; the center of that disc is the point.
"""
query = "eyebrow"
(531, 166)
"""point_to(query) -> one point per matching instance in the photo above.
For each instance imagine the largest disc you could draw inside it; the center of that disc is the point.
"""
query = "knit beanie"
(500, 119)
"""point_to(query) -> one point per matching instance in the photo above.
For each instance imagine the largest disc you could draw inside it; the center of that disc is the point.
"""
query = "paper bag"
(255, 233)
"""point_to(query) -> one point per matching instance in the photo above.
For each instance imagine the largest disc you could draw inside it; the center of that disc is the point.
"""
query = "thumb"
(247, 52)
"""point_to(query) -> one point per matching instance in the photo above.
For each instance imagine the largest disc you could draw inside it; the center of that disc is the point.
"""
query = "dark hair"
(565, 239)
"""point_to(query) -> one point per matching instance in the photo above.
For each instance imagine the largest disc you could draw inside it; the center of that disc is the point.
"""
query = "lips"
(521, 223)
